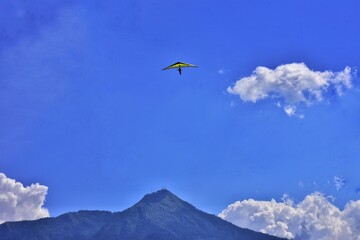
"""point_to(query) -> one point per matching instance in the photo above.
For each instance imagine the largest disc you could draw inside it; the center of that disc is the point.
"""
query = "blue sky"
(87, 111)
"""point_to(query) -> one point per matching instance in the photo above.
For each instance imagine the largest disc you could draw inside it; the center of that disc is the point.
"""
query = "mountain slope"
(82, 225)
(158, 216)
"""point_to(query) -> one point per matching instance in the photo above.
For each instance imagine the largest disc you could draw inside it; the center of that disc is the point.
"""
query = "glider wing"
(179, 65)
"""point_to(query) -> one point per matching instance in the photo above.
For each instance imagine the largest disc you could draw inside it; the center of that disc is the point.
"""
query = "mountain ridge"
(157, 216)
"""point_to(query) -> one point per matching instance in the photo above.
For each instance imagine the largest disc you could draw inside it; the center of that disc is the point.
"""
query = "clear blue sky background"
(87, 111)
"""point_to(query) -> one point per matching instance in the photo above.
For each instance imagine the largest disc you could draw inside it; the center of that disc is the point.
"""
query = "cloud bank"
(21, 203)
(291, 85)
(315, 218)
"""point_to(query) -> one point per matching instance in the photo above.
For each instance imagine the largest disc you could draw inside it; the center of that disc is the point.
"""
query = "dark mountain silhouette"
(158, 216)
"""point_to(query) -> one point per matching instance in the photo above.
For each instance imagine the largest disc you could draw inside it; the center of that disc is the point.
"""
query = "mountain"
(157, 216)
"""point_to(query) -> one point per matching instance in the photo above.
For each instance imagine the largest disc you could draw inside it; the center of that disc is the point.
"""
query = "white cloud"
(21, 203)
(223, 71)
(290, 110)
(313, 218)
(291, 85)
(339, 182)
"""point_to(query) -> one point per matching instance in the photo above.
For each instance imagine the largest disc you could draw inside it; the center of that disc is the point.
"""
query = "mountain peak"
(160, 201)
(163, 215)
(159, 196)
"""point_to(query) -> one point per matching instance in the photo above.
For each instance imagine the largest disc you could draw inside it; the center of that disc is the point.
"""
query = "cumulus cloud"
(313, 218)
(291, 85)
(21, 203)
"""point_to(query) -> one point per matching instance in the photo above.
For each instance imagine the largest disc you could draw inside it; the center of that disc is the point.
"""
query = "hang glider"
(179, 65)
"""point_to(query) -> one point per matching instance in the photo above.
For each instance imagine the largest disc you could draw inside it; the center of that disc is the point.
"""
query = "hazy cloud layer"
(26, 18)
(291, 85)
(21, 203)
(315, 218)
